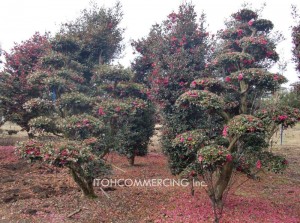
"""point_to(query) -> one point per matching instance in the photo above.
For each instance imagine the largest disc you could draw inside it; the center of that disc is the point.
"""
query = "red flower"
(276, 77)
(85, 121)
(229, 158)
(227, 79)
(181, 83)
(240, 32)
(101, 112)
(181, 139)
(240, 77)
(64, 153)
(258, 164)
(250, 23)
(282, 117)
(193, 84)
(190, 139)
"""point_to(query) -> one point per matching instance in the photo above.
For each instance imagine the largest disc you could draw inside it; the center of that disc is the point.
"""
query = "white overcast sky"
(20, 19)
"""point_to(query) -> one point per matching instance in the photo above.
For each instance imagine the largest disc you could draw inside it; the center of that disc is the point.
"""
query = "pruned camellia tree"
(91, 106)
(236, 136)
(214, 124)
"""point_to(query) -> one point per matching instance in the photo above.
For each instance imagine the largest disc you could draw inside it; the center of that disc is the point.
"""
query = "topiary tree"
(173, 55)
(127, 105)
(72, 105)
(65, 102)
(235, 138)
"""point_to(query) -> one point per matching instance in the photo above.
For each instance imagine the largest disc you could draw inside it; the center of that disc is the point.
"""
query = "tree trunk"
(216, 196)
(30, 135)
(131, 160)
(85, 183)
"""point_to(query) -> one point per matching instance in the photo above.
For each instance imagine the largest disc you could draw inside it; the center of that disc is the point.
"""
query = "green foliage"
(169, 59)
(242, 124)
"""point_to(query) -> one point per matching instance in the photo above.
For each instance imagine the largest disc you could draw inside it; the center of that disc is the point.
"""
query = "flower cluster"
(116, 107)
(242, 124)
(212, 84)
(213, 156)
(285, 115)
(80, 127)
(233, 33)
(30, 149)
(258, 77)
(203, 99)
(233, 58)
(190, 140)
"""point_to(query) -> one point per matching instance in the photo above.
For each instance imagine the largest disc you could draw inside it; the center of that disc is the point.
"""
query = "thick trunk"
(216, 196)
(222, 182)
(131, 160)
(85, 183)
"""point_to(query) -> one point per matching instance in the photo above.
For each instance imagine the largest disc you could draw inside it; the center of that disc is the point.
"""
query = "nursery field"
(38, 193)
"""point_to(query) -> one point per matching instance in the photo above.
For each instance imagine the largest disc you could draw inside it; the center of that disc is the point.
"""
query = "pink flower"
(276, 77)
(64, 153)
(101, 112)
(118, 108)
(193, 84)
(47, 156)
(227, 79)
(181, 139)
(200, 158)
(258, 164)
(190, 139)
(240, 77)
(229, 158)
(191, 94)
(181, 83)
(282, 117)
(225, 129)
(250, 23)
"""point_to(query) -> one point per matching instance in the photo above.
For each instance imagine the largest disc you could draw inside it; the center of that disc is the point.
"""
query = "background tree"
(170, 57)
(236, 136)
(296, 38)
(14, 87)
